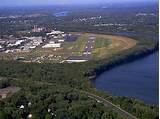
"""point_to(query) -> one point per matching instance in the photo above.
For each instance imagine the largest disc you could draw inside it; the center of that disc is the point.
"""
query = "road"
(110, 105)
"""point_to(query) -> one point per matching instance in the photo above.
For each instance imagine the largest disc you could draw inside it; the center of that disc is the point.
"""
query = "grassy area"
(100, 42)
(108, 45)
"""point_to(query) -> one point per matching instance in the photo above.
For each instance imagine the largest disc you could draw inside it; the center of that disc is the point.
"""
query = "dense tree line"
(4, 83)
(47, 101)
(67, 23)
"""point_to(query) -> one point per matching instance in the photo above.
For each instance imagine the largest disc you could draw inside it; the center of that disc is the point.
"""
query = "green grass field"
(108, 45)
(100, 42)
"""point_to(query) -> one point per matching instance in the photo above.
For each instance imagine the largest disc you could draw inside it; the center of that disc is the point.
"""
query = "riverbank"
(138, 52)
(133, 54)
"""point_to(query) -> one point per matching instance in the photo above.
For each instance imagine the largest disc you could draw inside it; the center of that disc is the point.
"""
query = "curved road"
(111, 105)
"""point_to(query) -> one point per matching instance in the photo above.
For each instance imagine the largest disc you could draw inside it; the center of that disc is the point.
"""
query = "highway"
(112, 106)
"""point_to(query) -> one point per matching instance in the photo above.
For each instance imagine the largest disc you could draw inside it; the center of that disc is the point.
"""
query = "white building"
(32, 47)
(77, 59)
(55, 33)
(18, 42)
(60, 40)
(52, 45)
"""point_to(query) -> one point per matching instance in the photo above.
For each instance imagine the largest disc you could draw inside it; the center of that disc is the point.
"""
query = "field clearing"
(102, 43)
(115, 44)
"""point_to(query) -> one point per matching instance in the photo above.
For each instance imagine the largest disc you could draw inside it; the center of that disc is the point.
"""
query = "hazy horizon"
(13, 3)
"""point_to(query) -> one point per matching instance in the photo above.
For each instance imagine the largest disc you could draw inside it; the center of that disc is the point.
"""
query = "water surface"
(61, 14)
(138, 79)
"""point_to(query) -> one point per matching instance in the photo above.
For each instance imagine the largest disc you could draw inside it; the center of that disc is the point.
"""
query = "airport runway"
(89, 46)
(87, 51)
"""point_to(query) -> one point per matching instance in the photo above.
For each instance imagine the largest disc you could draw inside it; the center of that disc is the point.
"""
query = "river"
(138, 79)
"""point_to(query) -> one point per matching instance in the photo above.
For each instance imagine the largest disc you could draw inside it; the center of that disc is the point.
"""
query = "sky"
(54, 2)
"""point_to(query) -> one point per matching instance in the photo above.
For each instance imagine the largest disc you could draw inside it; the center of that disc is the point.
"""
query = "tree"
(3, 115)
(48, 116)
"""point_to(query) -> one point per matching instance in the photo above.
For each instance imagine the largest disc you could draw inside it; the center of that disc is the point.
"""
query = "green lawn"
(100, 42)
(100, 48)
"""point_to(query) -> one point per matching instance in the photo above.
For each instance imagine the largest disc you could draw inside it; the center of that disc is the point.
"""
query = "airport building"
(52, 44)
(77, 59)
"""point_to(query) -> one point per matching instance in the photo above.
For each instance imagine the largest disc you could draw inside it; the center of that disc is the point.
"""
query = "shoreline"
(129, 58)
